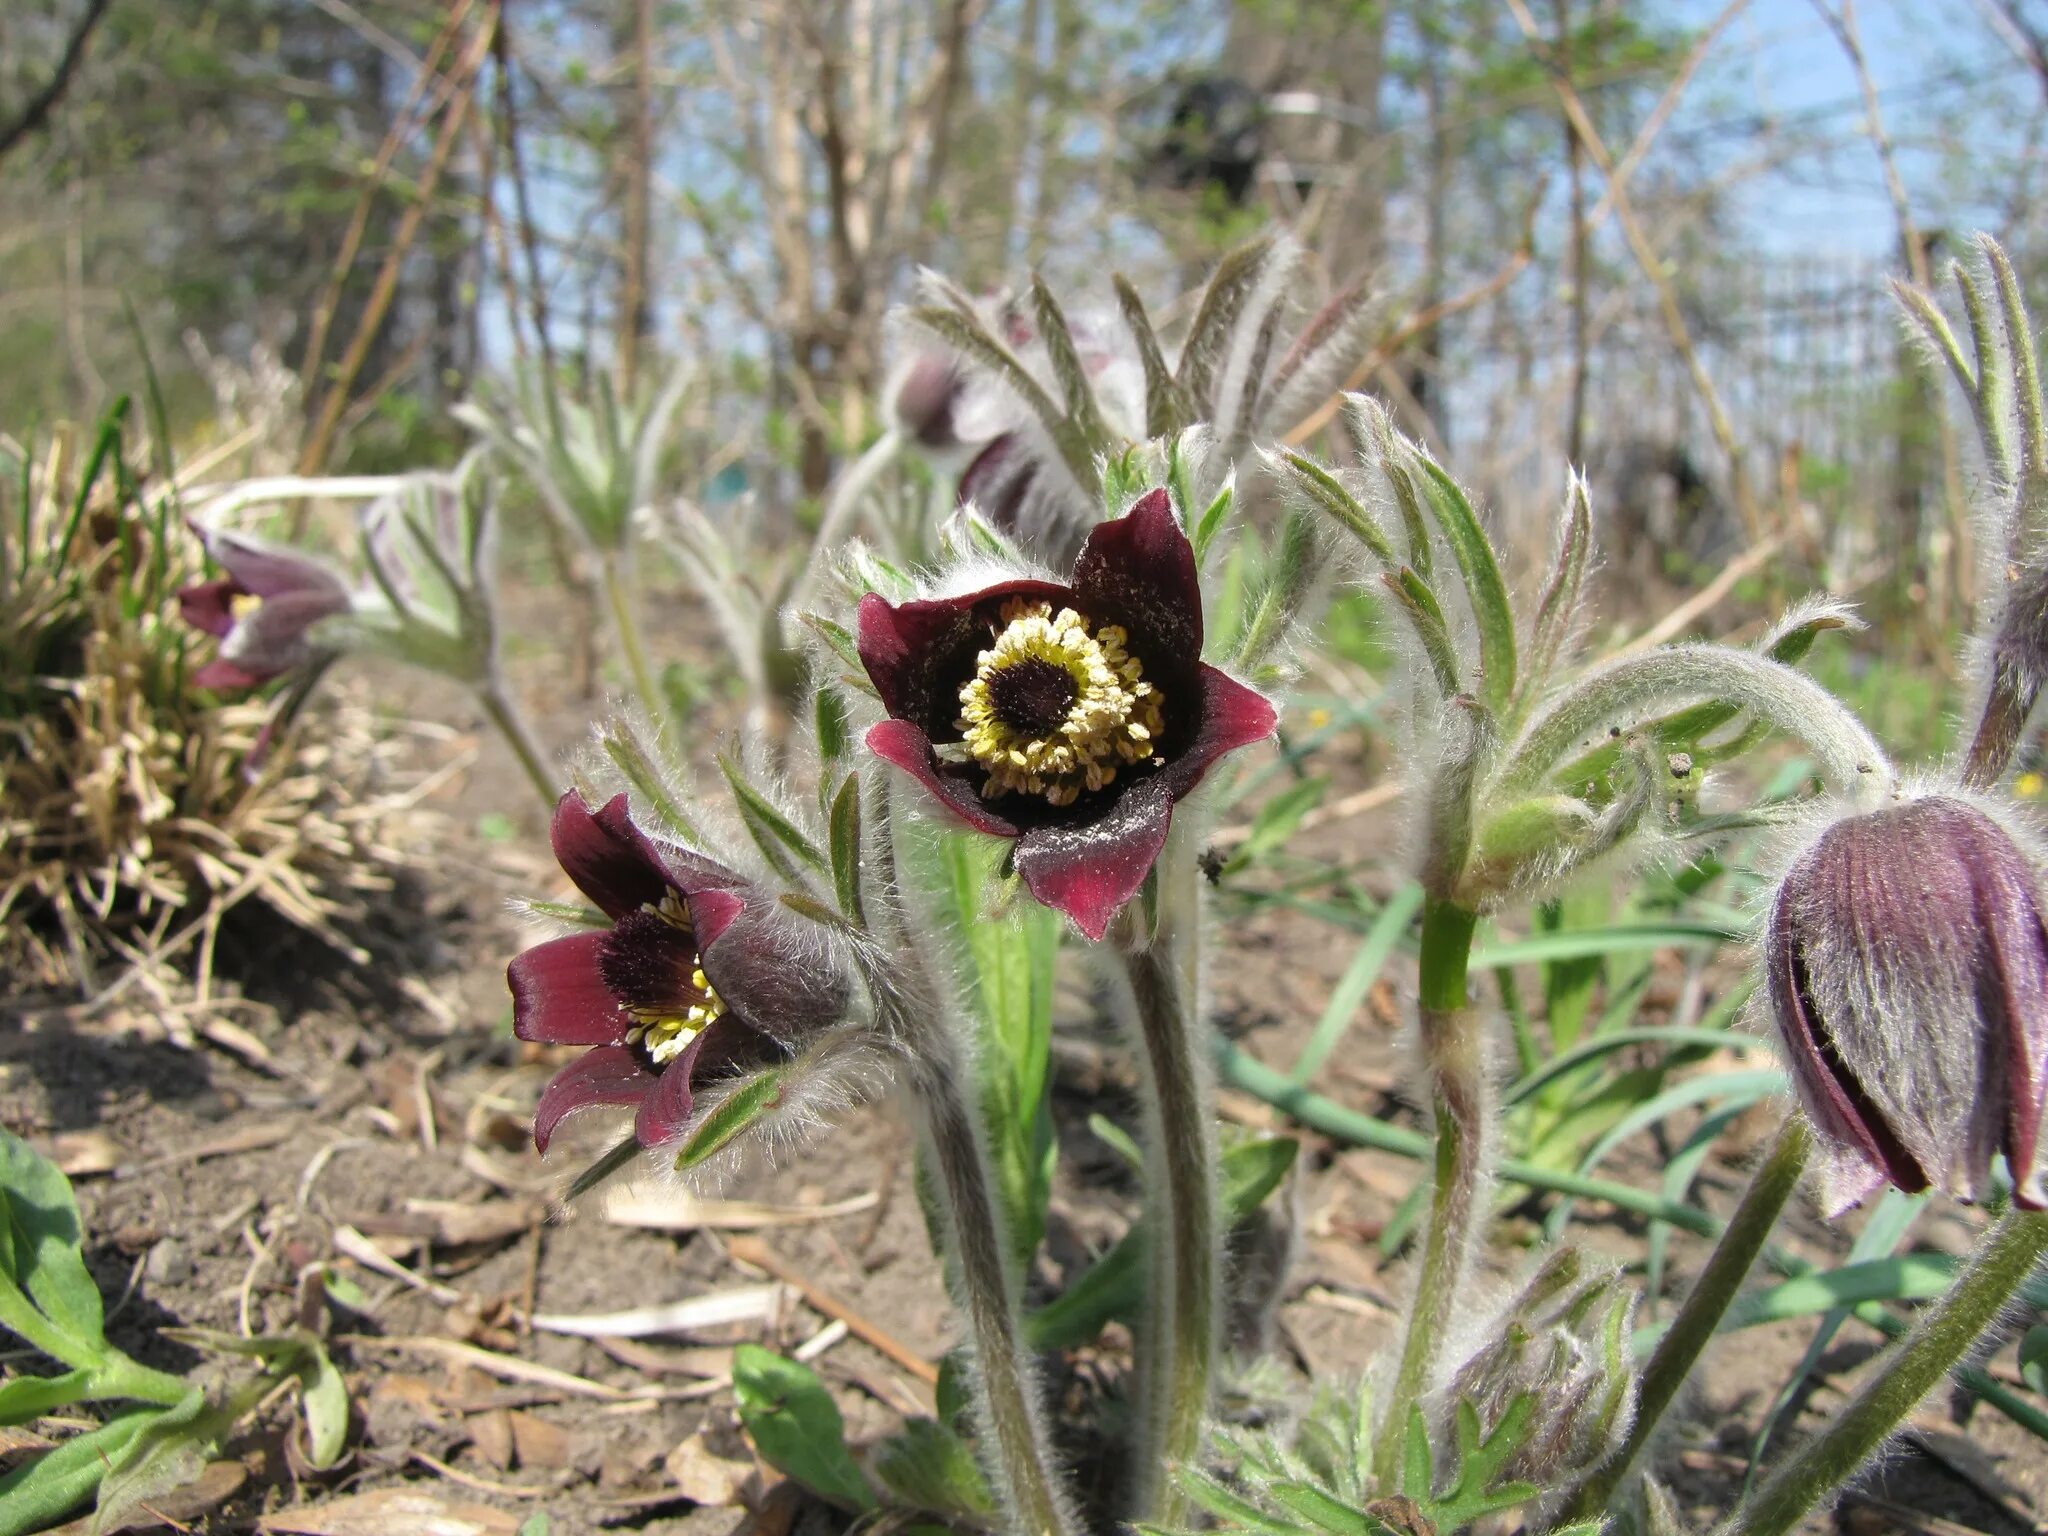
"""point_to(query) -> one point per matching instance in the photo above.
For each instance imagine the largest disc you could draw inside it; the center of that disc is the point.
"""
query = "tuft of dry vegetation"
(138, 813)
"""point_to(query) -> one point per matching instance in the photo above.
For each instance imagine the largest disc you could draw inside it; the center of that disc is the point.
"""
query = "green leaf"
(30, 1397)
(326, 1405)
(846, 850)
(1325, 1511)
(796, 1427)
(1356, 982)
(828, 714)
(41, 1493)
(1278, 820)
(1212, 521)
(1206, 1493)
(2034, 1358)
(537, 1524)
(1113, 1286)
(1488, 593)
(1476, 1490)
(45, 1261)
(169, 1452)
(1118, 1140)
(774, 833)
(1578, 944)
(843, 645)
(630, 756)
(928, 1467)
(734, 1114)
(568, 912)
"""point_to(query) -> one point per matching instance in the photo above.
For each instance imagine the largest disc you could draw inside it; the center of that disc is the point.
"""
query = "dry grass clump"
(131, 824)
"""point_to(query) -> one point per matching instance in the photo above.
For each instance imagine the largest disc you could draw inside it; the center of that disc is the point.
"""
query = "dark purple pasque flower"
(1070, 718)
(693, 981)
(262, 612)
(1907, 971)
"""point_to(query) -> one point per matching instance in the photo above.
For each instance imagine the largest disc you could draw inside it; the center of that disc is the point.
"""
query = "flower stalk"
(1944, 1336)
(1679, 1349)
(619, 595)
(497, 703)
(1178, 1345)
(1454, 1064)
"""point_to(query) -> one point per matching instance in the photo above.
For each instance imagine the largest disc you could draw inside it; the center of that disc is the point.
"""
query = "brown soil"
(371, 1091)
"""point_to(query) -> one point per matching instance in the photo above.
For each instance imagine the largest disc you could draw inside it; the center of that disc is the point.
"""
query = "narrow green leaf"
(1325, 1511)
(928, 1467)
(568, 912)
(1166, 405)
(623, 746)
(1357, 980)
(1277, 820)
(1207, 1494)
(44, 1243)
(846, 850)
(843, 645)
(1208, 339)
(1324, 490)
(30, 1397)
(774, 833)
(1575, 944)
(735, 1113)
(796, 1426)
(39, 1494)
(326, 1406)
(1488, 593)
(1212, 521)
(1621, 1039)
(828, 714)
(1426, 618)
(1416, 1461)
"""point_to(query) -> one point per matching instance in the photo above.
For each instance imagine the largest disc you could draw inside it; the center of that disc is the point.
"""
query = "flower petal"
(918, 654)
(720, 1050)
(1232, 716)
(209, 605)
(272, 571)
(1139, 571)
(610, 1074)
(559, 994)
(229, 677)
(772, 983)
(1089, 870)
(903, 744)
(276, 636)
(1841, 1111)
(604, 853)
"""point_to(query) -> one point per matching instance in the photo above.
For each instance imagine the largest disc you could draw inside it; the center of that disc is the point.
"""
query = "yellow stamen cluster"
(668, 1035)
(1112, 719)
(243, 604)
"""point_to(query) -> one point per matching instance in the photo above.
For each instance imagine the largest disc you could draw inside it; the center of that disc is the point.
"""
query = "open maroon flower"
(693, 981)
(1907, 971)
(262, 612)
(1071, 718)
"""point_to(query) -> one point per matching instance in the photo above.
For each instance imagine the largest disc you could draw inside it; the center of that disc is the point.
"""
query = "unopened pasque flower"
(1907, 972)
(1071, 718)
(263, 611)
(693, 982)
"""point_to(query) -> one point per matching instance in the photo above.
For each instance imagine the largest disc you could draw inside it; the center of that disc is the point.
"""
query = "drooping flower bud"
(1564, 1340)
(264, 611)
(1907, 972)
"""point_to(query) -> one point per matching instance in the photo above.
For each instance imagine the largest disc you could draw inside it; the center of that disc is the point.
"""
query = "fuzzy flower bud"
(1907, 973)
(1564, 1341)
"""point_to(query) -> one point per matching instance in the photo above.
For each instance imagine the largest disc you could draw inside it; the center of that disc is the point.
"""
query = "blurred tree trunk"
(1335, 50)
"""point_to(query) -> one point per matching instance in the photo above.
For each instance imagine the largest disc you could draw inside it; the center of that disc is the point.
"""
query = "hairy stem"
(1027, 1480)
(620, 597)
(1727, 1267)
(511, 723)
(1454, 1065)
(1177, 1347)
(1939, 1342)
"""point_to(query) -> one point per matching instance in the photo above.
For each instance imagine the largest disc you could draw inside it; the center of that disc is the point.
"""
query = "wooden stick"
(751, 1250)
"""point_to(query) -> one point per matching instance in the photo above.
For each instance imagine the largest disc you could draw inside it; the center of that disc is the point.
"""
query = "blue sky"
(1942, 73)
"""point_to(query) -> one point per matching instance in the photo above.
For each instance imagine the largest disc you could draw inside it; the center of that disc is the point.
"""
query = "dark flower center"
(1032, 696)
(649, 962)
